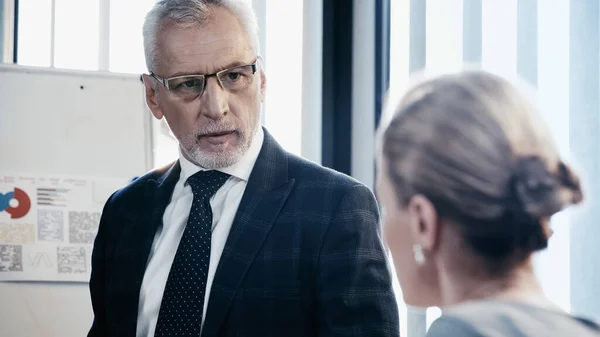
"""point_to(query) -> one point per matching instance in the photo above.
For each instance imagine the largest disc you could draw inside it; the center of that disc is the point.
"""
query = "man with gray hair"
(237, 237)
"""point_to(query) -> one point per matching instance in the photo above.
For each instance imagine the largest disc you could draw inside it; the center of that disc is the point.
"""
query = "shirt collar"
(240, 170)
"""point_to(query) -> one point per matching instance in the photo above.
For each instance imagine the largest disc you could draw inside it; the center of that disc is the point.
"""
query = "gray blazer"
(494, 318)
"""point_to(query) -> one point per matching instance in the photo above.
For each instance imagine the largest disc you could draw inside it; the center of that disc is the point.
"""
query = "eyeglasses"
(192, 86)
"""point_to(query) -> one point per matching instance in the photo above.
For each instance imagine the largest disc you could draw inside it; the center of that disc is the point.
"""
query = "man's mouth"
(218, 137)
(218, 134)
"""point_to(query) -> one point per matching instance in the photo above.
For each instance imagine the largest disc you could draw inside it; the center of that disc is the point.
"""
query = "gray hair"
(194, 13)
(473, 145)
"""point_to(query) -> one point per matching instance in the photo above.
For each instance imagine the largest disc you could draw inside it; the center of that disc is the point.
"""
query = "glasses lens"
(237, 78)
(187, 86)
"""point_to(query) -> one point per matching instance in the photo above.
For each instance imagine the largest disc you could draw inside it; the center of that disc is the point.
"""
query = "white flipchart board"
(66, 123)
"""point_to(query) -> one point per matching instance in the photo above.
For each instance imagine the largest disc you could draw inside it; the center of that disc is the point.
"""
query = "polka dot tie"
(183, 299)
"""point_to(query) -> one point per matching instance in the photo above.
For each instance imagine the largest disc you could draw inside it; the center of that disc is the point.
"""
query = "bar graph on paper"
(55, 197)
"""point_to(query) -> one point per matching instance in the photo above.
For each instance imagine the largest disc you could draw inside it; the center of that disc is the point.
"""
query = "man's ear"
(152, 96)
(425, 224)
(263, 84)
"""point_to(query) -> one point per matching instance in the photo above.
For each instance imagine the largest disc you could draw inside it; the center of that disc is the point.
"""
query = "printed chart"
(48, 225)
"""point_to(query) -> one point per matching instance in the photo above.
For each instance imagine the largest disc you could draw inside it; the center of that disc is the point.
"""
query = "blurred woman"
(468, 180)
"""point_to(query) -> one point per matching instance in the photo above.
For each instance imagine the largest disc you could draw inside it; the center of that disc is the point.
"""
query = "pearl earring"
(419, 256)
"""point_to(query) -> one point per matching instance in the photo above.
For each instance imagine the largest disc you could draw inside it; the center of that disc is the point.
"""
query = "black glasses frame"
(205, 77)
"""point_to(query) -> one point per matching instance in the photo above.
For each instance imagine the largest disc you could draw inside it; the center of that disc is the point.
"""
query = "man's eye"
(233, 76)
(191, 83)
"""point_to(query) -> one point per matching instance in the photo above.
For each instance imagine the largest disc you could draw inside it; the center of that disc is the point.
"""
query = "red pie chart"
(23, 207)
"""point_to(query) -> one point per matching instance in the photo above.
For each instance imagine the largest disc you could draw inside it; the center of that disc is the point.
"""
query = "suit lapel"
(267, 190)
(146, 221)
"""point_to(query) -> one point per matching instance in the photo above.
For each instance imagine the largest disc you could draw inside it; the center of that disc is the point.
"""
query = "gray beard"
(219, 160)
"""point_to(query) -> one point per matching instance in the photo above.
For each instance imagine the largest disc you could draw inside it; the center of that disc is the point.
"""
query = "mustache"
(215, 128)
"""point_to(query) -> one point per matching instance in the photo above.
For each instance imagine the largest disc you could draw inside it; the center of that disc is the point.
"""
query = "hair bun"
(536, 193)
(570, 181)
(536, 188)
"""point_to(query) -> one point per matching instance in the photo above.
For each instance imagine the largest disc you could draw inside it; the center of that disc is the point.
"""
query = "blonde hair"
(473, 145)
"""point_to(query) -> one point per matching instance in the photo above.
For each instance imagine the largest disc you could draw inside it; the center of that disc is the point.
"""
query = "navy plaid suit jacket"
(304, 256)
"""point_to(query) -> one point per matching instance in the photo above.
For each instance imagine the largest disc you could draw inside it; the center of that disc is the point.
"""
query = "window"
(497, 48)
(283, 65)
(126, 52)
(34, 33)
(76, 35)
(499, 36)
(51, 34)
(399, 77)
(69, 34)
(443, 41)
(553, 101)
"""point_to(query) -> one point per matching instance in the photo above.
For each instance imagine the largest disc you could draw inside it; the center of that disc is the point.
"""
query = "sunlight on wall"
(283, 65)
(77, 34)
(399, 74)
(444, 23)
(34, 33)
(553, 103)
(126, 43)
(499, 36)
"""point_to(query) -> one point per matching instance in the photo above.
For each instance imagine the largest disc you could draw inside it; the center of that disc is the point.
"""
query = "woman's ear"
(424, 222)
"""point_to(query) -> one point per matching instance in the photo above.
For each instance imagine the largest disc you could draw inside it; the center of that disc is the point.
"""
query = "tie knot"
(206, 183)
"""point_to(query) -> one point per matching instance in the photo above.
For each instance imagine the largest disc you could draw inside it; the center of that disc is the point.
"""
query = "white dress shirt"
(224, 206)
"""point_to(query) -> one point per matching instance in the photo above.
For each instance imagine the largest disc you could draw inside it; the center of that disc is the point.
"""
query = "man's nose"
(214, 99)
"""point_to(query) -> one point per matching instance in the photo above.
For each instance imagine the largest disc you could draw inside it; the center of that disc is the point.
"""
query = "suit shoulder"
(308, 172)
(135, 190)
